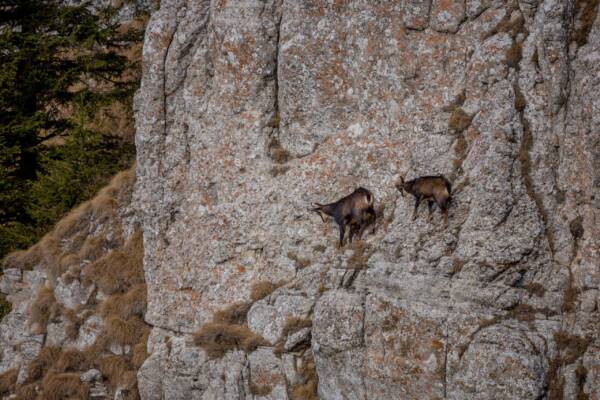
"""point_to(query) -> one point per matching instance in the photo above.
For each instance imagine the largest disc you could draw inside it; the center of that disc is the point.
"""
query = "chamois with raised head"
(435, 189)
(354, 211)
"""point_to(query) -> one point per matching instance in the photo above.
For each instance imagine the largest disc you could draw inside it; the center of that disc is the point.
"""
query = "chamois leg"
(417, 201)
(430, 208)
(342, 232)
(442, 203)
(352, 232)
(371, 211)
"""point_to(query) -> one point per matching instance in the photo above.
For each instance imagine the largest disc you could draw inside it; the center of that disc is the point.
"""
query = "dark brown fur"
(355, 210)
(435, 189)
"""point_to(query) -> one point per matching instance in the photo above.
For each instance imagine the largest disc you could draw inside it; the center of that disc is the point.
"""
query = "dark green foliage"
(5, 307)
(60, 64)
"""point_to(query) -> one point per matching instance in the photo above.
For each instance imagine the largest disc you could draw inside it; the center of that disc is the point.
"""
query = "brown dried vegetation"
(536, 289)
(299, 261)
(219, 338)
(235, 313)
(260, 390)
(44, 309)
(64, 386)
(570, 349)
(360, 256)
(125, 332)
(308, 389)
(261, 289)
(8, 381)
(277, 153)
(118, 270)
(514, 55)
(586, 12)
(459, 120)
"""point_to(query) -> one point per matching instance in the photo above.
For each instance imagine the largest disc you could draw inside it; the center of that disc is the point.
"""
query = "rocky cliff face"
(251, 110)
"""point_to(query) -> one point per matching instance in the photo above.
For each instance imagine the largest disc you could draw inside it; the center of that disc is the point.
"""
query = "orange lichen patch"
(332, 75)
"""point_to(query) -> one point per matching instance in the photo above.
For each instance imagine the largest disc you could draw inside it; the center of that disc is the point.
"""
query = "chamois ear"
(400, 185)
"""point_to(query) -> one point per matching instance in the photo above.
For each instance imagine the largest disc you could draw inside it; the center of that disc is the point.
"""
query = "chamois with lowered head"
(435, 189)
(354, 211)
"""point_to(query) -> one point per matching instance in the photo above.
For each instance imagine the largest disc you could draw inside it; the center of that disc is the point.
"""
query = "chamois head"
(400, 185)
(319, 210)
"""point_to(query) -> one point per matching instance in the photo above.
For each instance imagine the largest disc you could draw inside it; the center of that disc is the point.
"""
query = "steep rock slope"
(251, 110)
(78, 298)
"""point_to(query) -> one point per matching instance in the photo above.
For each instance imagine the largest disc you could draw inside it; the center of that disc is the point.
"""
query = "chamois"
(355, 210)
(431, 188)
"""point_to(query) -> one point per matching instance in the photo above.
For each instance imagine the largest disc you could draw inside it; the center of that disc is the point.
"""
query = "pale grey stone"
(295, 338)
(91, 376)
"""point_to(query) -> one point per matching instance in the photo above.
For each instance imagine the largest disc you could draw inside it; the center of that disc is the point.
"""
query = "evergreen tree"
(59, 64)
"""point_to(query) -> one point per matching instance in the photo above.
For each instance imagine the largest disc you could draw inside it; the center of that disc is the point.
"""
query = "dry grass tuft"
(293, 325)
(218, 338)
(360, 256)
(118, 270)
(299, 261)
(536, 289)
(70, 224)
(586, 12)
(26, 392)
(140, 351)
(457, 265)
(72, 360)
(260, 390)
(38, 367)
(570, 299)
(520, 102)
(64, 386)
(8, 380)
(307, 390)
(279, 170)
(73, 325)
(43, 309)
(514, 55)
(459, 120)
(114, 369)
(576, 227)
(93, 248)
(278, 153)
(235, 313)
(23, 259)
(125, 332)
(571, 347)
(523, 313)
(127, 305)
(261, 289)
